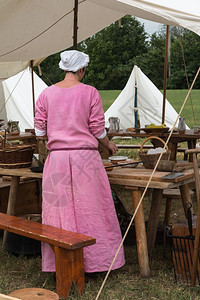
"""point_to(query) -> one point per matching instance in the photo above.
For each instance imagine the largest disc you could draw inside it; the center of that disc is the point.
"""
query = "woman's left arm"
(40, 120)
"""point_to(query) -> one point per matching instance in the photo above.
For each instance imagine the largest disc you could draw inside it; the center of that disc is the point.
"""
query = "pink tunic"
(76, 190)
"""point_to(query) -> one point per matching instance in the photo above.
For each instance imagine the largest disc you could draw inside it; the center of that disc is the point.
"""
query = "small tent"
(16, 100)
(140, 97)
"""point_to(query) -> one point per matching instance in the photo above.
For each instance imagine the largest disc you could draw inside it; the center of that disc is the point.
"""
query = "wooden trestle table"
(188, 136)
(136, 180)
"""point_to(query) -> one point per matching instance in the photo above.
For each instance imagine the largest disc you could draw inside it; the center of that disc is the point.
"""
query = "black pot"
(21, 245)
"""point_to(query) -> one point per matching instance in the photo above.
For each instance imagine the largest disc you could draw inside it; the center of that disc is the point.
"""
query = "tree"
(51, 72)
(112, 52)
(116, 49)
(152, 62)
(190, 54)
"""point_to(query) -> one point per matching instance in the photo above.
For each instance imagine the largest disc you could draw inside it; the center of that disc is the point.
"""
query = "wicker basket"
(16, 157)
(149, 160)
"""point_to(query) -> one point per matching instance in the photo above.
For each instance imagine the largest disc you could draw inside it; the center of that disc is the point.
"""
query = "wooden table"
(12, 198)
(16, 174)
(28, 138)
(136, 180)
(189, 136)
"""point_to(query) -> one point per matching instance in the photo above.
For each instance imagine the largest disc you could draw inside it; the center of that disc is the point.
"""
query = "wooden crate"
(182, 252)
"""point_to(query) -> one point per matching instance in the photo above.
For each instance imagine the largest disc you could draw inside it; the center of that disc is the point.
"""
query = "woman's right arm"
(108, 144)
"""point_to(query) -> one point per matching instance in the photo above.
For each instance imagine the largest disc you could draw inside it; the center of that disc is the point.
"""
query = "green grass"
(108, 97)
(175, 97)
(191, 111)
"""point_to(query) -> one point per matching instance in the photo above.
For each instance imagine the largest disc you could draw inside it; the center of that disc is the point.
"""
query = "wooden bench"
(67, 246)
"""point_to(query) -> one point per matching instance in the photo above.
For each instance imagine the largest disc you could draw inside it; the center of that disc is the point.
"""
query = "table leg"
(185, 197)
(191, 145)
(12, 200)
(141, 235)
(173, 148)
(154, 218)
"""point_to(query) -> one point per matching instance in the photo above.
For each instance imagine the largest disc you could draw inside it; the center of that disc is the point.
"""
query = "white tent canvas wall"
(149, 103)
(51, 27)
(16, 100)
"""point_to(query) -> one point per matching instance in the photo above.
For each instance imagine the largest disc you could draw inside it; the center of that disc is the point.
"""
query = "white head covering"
(73, 60)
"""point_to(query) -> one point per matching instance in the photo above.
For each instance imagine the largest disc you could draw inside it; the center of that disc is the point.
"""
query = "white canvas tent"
(16, 102)
(148, 105)
(32, 30)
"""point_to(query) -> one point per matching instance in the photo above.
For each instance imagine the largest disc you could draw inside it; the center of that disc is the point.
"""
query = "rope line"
(186, 75)
(34, 38)
(136, 210)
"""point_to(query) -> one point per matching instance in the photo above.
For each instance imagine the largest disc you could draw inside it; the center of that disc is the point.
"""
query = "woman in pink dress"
(76, 190)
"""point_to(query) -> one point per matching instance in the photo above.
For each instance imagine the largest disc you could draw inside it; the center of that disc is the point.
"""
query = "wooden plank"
(140, 183)
(25, 172)
(137, 173)
(144, 174)
(45, 233)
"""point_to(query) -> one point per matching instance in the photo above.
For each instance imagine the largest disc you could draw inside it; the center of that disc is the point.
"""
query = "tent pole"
(165, 73)
(75, 24)
(135, 106)
(33, 90)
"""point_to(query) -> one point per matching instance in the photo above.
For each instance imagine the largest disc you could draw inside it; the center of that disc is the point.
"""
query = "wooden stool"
(170, 194)
(34, 294)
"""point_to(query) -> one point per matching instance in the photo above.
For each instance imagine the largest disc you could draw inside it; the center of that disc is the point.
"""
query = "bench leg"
(69, 269)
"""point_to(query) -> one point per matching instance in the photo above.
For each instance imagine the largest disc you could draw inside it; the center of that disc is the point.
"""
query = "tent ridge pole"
(75, 24)
(165, 73)
(33, 90)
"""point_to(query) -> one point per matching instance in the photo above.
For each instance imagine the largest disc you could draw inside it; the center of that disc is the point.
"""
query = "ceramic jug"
(114, 123)
(181, 125)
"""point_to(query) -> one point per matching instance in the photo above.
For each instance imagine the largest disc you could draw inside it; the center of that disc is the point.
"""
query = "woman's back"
(74, 115)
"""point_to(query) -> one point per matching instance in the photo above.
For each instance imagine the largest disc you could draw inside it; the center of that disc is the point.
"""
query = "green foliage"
(152, 62)
(50, 69)
(191, 48)
(116, 49)
(112, 53)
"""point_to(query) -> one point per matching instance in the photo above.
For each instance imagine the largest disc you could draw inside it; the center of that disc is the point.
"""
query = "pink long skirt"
(77, 197)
